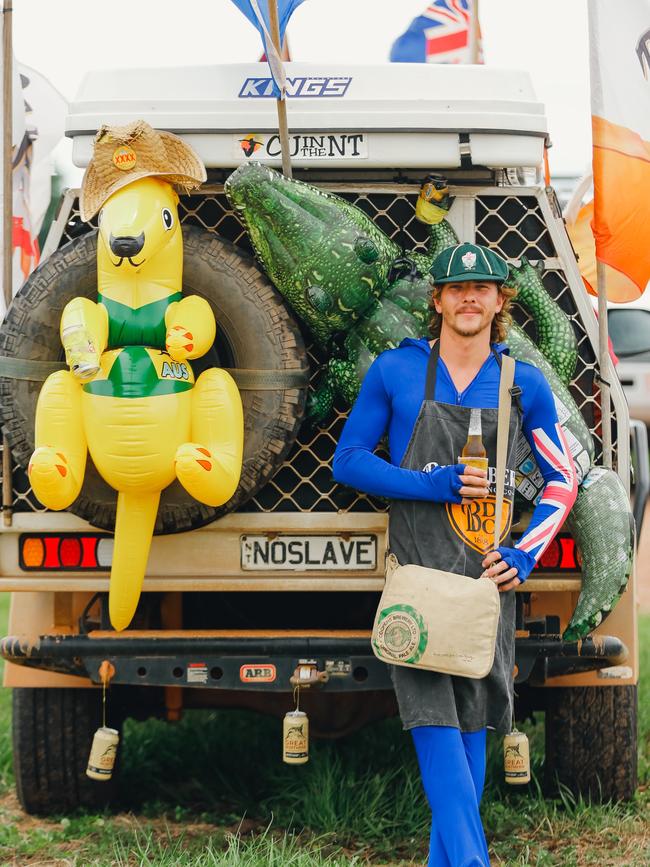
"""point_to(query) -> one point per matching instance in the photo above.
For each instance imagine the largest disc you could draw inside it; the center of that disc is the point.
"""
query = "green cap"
(469, 262)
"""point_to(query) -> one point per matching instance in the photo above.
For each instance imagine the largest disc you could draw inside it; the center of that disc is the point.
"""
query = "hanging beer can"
(516, 758)
(295, 738)
(102, 754)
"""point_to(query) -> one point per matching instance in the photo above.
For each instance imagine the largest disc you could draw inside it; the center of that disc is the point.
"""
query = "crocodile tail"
(134, 523)
(606, 556)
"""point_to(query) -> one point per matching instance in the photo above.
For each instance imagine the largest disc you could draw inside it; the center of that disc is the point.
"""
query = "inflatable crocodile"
(369, 297)
(358, 294)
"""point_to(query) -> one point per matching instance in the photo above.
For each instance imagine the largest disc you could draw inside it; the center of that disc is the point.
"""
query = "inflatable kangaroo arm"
(84, 335)
(191, 328)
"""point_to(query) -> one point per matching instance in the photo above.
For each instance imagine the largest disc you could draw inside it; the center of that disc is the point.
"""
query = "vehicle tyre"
(591, 741)
(254, 331)
(52, 734)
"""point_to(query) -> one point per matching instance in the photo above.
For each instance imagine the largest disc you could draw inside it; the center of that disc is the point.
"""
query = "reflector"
(33, 553)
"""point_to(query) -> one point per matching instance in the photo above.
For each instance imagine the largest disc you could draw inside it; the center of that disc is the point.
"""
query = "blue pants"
(452, 765)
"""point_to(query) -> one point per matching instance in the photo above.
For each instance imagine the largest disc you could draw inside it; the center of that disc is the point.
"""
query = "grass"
(189, 799)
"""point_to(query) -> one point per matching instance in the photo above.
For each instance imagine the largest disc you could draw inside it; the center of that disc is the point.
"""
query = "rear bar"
(223, 663)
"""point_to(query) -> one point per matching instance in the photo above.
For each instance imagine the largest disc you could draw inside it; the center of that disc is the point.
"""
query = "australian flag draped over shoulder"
(257, 12)
(442, 34)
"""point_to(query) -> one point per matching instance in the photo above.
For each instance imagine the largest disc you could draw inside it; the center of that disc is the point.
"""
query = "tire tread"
(52, 734)
(591, 741)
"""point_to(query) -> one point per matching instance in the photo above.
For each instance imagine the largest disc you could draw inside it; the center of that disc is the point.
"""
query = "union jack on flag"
(442, 34)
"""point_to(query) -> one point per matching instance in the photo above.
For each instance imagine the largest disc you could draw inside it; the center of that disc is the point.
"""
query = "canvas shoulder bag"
(442, 621)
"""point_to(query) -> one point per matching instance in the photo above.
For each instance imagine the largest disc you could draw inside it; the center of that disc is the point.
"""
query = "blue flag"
(257, 12)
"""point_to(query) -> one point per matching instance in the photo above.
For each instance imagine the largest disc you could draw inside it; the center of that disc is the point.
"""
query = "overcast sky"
(65, 38)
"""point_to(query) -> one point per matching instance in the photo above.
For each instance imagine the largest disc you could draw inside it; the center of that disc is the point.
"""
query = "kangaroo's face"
(137, 221)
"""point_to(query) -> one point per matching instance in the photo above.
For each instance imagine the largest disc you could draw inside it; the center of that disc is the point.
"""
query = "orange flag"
(620, 107)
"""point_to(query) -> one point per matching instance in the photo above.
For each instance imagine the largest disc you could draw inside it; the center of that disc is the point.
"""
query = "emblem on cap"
(469, 260)
(124, 158)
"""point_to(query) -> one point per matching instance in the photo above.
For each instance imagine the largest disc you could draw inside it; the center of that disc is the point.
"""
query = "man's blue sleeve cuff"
(521, 560)
(446, 483)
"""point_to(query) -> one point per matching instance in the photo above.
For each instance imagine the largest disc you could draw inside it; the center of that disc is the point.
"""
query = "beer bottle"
(474, 453)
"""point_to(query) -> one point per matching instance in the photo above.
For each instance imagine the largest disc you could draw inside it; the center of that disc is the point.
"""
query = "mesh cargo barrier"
(511, 224)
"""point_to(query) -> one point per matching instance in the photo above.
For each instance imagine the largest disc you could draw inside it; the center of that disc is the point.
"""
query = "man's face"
(469, 307)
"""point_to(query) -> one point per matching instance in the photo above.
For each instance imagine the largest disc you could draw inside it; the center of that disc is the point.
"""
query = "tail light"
(65, 552)
(562, 555)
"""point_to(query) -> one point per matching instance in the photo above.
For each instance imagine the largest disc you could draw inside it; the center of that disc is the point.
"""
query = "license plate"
(303, 146)
(309, 553)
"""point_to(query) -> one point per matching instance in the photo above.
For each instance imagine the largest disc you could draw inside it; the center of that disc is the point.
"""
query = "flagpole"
(283, 127)
(603, 362)
(595, 81)
(475, 32)
(7, 152)
(7, 220)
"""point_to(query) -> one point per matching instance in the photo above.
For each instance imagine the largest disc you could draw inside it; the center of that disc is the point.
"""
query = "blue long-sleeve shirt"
(390, 399)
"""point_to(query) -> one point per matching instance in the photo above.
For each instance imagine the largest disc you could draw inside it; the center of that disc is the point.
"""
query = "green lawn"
(211, 791)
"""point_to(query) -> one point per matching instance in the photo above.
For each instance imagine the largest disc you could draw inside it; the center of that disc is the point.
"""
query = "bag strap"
(503, 429)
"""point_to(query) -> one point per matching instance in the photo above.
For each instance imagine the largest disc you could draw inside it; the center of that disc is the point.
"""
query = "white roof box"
(401, 115)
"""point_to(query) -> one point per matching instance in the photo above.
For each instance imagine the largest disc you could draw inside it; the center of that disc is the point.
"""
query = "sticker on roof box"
(329, 86)
(305, 145)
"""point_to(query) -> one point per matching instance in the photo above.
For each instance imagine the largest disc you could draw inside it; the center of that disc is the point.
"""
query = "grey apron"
(455, 538)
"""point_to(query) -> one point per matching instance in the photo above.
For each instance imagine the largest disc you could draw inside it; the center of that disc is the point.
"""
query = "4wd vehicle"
(288, 574)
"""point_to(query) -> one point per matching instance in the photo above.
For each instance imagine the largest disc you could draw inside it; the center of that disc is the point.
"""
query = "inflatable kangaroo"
(130, 398)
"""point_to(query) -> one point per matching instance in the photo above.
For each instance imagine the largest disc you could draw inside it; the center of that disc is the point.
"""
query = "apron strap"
(503, 429)
(432, 372)
(515, 390)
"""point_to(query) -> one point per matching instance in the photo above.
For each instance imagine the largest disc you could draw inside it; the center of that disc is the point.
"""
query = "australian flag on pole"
(442, 34)
(257, 12)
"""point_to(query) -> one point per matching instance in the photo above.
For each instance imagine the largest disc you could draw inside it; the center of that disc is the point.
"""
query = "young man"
(423, 393)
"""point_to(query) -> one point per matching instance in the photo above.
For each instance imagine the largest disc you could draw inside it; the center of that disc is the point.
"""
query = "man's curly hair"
(500, 324)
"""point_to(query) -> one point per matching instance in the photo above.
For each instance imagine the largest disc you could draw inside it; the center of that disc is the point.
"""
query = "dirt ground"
(643, 564)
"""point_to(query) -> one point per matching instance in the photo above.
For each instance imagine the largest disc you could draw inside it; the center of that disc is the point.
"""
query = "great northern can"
(295, 738)
(516, 758)
(102, 754)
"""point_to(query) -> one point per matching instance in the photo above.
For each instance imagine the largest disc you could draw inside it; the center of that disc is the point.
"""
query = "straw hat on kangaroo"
(130, 398)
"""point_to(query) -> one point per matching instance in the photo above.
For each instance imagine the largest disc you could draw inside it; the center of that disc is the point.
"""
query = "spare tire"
(255, 331)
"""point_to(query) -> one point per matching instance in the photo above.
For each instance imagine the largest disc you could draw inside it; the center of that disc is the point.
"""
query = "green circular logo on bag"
(401, 634)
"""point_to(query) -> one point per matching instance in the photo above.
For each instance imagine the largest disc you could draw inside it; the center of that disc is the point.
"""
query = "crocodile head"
(325, 256)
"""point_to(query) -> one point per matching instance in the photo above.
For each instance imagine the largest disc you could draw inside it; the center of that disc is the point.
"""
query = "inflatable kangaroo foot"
(51, 478)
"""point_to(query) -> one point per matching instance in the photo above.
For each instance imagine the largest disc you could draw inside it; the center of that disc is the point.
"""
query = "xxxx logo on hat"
(124, 158)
